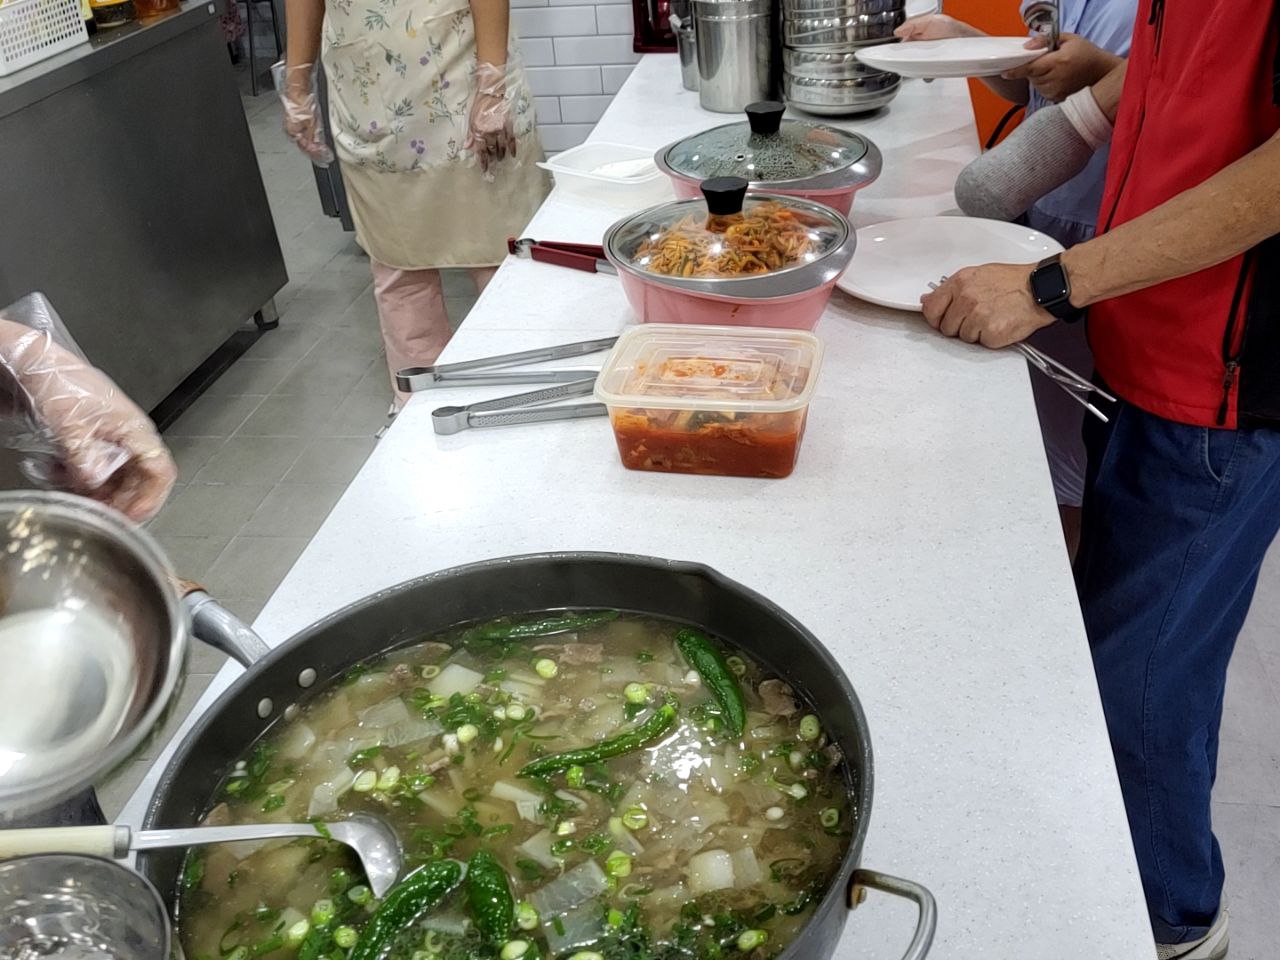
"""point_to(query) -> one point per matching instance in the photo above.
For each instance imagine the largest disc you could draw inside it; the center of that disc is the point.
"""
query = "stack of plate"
(819, 37)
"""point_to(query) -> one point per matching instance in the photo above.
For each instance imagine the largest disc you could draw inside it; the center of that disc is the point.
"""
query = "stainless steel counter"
(130, 194)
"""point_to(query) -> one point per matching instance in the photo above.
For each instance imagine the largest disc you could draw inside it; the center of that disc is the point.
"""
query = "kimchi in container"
(727, 401)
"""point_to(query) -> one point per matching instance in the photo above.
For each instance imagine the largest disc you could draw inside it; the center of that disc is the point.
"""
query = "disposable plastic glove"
(80, 433)
(300, 98)
(491, 119)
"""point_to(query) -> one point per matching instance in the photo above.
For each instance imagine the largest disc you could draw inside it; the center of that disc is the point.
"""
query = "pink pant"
(411, 312)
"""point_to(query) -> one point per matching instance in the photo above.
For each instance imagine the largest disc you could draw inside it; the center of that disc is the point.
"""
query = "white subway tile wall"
(578, 55)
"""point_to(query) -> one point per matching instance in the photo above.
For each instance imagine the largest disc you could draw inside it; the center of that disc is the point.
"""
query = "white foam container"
(577, 170)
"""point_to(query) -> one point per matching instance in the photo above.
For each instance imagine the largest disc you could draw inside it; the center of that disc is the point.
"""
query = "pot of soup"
(584, 755)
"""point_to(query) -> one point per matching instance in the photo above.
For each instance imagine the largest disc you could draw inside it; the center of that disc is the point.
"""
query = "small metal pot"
(687, 45)
(313, 660)
(833, 98)
(93, 640)
(821, 9)
(819, 32)
(734, 40)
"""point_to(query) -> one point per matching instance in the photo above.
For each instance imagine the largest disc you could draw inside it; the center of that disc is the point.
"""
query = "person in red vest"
(1182, 497)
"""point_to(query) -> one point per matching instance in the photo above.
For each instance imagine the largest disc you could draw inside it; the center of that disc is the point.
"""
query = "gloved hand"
(935, 26)
(491, 119)
(79, 431)
(297, 89)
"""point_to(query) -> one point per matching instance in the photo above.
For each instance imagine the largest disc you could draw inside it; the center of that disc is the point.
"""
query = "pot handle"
(214, 624)
(927, 923)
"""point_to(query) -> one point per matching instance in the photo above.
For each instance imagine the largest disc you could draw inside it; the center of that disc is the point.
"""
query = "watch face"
(1049, 283)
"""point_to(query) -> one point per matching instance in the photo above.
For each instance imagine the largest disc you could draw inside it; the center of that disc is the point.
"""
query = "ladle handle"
(105, 841)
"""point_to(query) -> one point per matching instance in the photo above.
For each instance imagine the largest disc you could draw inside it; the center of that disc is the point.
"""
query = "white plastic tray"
(577, 171)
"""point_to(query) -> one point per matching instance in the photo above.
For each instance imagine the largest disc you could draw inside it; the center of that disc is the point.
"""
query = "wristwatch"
(1051, 289)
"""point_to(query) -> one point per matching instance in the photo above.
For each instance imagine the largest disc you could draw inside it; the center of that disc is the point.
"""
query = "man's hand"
(935, 26)
(990, 305)
(1076, 64)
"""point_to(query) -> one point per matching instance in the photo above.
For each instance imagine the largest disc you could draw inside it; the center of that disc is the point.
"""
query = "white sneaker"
(1212, 946)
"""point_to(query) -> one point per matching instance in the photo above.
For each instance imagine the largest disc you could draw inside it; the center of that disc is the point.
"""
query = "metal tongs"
(577, 256)
(1072, 384)
(506, 411)
(471, 372)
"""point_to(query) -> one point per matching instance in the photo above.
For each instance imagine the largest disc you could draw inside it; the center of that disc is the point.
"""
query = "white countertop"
(918, 537)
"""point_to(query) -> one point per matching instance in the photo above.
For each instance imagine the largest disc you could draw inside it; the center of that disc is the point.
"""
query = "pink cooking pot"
(796, 158)
(682, 263)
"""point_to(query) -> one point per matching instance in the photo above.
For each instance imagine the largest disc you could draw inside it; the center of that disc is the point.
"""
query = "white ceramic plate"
(895, 262)
(956, 57)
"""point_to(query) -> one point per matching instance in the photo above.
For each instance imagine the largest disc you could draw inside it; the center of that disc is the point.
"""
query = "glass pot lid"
(727, 235)
(767, 149)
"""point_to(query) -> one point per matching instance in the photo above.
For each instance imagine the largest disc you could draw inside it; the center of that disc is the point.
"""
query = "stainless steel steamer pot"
(315, 658)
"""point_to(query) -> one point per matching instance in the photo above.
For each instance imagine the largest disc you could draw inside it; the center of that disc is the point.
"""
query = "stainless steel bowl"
(827, 65)
(64, 905)
(811, 32)
(92, 639)
(833, 98)
(822, 9)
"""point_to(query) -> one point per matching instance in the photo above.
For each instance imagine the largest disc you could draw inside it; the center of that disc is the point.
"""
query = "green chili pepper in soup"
(617, 786)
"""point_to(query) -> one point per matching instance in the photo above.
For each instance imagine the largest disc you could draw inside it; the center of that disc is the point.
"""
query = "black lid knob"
(724, 195)
(765, 116)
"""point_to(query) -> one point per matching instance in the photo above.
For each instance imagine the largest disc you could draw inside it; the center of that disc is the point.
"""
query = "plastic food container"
(710, 400)
(799, 158)
(613, 173)
(730, 258)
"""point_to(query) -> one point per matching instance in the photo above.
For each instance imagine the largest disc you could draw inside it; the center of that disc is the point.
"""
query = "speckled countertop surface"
(918, 538)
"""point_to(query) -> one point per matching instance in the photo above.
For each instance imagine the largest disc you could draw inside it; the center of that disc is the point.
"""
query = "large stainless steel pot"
(836, 98)
(800, 9)
(841, 32)
(736, 63)
(310, 661)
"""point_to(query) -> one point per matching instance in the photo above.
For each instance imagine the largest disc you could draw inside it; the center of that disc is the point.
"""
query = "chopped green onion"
(750, 939)
(389, 778)
(774, 813)
(297, 933)
(797, 791)
(360, 894)
(737, 665)
(279, 787)
(618, 864)
(430, 672)
(499, 712)
(467, 732)
(365, 781)
(514, 949)
(615, 918)
(644, 656)
(829, 817)
(635, 818)
(636, 692)
(526, 916)
(810, 728)
(560, 847)
(239, 953)
(339, 880)
(422, 955)
(498, 745)
(566, 827)
(345, 937)
(516, 711)
(274, 802)
(575, 776)
(545, 668)
(587, 955)
(322, 912)
(796, 759)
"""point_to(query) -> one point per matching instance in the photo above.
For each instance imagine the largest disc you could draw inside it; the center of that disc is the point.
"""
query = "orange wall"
(1000, 17)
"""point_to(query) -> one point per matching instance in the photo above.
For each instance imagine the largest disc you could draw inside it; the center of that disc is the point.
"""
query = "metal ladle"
(372, 840)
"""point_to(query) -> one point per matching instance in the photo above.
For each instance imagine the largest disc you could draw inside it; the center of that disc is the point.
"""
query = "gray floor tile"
(191, 557)
(358, 416)
(202, 658)
(333, 374)
(293, 510)
(252, 460)
(1250, 839)
(115, 790)
(375, 383)
(293, 416)
(246, 608)
(458, 308)
(192, 453)
(458, 283)
(250, 375)
(285, 342)
(1249, 758)
(214, 416)
(353, 341)
(252, 567)
(207, 510)
(331, 460)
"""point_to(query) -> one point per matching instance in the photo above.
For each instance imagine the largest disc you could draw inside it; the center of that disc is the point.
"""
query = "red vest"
(1199, 95)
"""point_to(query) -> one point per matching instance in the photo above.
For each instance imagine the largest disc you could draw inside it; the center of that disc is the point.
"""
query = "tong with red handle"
(577, 256)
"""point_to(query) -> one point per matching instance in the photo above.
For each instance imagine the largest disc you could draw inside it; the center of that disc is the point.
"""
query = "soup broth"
(702, 814)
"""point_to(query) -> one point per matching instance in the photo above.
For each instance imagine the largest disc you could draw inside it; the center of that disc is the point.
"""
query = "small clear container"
(727, 401)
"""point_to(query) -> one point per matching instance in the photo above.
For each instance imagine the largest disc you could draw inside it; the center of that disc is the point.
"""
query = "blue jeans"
(1176, 522)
